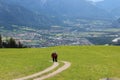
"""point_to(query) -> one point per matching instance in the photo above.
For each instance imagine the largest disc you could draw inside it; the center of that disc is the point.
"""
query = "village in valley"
(75, 32)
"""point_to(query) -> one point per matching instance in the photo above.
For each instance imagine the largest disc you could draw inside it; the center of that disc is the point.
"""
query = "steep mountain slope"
(108, 4)
(112, 6)
(18, 15)
(116, 23)
(116, 12)
(69, 8)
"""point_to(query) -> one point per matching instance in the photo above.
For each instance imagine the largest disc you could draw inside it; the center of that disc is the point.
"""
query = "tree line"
(10, 43)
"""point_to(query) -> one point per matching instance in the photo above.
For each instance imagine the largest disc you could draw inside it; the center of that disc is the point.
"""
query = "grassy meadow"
(87, 62)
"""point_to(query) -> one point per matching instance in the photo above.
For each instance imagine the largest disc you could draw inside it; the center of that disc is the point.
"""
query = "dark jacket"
(54, 55)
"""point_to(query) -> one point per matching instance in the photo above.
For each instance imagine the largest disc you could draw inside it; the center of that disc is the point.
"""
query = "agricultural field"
(87, 62)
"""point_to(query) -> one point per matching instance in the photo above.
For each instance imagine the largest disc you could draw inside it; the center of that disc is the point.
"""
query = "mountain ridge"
(46, 13)
(18, 15)
(77, 8)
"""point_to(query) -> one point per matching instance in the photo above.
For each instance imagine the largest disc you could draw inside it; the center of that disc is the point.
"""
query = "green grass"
(15, 63)
(88, 62)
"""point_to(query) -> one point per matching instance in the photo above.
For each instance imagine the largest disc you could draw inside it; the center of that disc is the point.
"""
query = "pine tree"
(12, 43)
(20, 45)
(0, 41)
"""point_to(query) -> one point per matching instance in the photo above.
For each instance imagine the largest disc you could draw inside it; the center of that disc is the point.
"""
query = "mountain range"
(18, 15)
(111, 6)
(108, 5)
(44, 13)
(74, 8)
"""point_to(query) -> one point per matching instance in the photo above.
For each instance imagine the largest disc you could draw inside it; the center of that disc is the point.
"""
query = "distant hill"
(113, 6)
(116, 23)
(68, 8)
(108, 4)
(18, 15)
(45, 13)
(116, 12)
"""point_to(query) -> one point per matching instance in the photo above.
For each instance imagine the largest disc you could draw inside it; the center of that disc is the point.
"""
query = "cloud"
(43, 1)
(95, 0)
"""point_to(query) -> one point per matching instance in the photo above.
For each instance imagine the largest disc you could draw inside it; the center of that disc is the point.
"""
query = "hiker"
(54, 56)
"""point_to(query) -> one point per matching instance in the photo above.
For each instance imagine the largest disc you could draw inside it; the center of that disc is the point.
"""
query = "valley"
(83, 33)
(73, 32)
(46, 23)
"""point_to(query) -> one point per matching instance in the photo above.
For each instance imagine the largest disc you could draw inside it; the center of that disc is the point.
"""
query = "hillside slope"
(18, 15)
(87, 62)
(68, 8)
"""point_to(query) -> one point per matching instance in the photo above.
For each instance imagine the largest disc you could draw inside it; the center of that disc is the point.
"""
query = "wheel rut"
(55, 64)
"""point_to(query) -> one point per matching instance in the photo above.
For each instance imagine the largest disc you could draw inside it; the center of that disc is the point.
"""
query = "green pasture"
(87, 62)
(15, 63)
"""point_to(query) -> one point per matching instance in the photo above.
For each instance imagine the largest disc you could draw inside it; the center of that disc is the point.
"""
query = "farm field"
(87, 62)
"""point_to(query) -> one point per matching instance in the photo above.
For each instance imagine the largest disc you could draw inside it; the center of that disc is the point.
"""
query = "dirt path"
(64, 67)
(40, 73)
(110, 79)
(67, 65)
